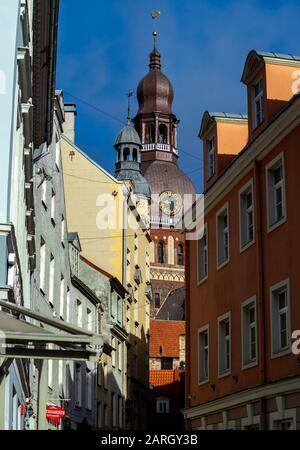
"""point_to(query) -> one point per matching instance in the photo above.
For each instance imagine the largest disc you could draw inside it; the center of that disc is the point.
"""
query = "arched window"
(180, 255)
(149, 134)
(162, 134)
(134, 154)
(160, 253)
(126, 154)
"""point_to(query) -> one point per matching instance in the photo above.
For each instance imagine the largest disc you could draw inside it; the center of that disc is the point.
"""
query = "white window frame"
(220, 213)
(79, 307)
(243, 215)
(43, 253)
(210, 157)
(201, 251)
(245, 338)
(277, 351)
(113, 353)
(224, 372)
(44, 191)
(270, 167)
(51, 279)
(201, 331)
(62, 296)
(53, 207)
(89, 319)
(258, 98)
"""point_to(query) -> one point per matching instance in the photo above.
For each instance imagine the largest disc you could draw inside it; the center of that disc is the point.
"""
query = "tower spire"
(129, 94)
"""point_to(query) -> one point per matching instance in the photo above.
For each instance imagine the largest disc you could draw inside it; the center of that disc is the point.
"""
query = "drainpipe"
(261, 294)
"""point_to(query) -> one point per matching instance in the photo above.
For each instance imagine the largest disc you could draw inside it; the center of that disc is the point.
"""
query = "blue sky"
(104, 47)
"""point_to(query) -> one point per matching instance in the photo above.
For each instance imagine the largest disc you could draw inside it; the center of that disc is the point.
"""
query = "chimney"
(69, 124)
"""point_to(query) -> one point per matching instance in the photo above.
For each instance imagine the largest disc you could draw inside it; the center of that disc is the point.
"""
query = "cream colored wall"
(84, 184)
(138, 244)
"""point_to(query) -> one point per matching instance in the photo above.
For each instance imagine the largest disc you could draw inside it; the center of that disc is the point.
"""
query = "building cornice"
(245, 396)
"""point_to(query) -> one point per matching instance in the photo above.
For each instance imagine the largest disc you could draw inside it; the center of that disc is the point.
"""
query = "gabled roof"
(256, 59)
(164, 335)
(209, 118)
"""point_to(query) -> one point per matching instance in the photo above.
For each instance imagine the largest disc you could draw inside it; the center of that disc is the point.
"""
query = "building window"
(249, 332)
(89, 319)
(62, 296)
(68, 314)
(113, 353)
(166, 363)
(202, 256)
(51, 279)
(105, 375)
(62, 230)
(162, 405)
(50, 369)
(42, 265)
(157, 300)
(78, 385)
(223, 236)
(79, 313)
(57, 155)
(89, 393)
(53, 201)
(162, 134)
(203, 354)
(44, 193)
(224, 338)
(134, 154)
(180, 255)
(275, 180)
(120, 355)
(60, 375)
(246, 215)
(258, 103)
(210, 152)
(284, 425)
(160, 253)
(126, 154)
(120, 402)
(280, 317)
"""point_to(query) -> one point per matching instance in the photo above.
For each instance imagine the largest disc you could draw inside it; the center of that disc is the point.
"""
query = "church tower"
(128, 167)
(156, 125)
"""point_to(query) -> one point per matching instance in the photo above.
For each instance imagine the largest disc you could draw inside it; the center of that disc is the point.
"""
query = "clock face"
(170, 203)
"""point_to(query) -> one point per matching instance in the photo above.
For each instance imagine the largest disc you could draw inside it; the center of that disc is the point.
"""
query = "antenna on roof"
(129, 94)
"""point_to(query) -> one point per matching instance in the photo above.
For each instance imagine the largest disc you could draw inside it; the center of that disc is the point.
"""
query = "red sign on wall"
(54, 414)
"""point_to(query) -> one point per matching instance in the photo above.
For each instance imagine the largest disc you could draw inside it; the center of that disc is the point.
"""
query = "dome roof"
(166, 176)
(128, 135)
(155, 91)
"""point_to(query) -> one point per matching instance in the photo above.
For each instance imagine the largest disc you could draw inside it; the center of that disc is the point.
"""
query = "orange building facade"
(243, 274)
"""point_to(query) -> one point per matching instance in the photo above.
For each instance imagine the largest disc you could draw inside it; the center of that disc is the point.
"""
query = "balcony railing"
(161, 147)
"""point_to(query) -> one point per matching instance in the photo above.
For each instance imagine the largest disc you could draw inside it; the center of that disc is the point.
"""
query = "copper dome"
(155, 91)
(166, 176)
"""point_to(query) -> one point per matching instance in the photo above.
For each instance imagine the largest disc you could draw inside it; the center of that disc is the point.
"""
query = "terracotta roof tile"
(165, 334)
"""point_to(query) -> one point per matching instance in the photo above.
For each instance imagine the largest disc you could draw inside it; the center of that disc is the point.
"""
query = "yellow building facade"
(112, 226)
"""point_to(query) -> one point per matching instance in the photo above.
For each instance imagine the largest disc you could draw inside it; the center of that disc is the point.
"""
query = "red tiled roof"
(163, 377)
(165, 334)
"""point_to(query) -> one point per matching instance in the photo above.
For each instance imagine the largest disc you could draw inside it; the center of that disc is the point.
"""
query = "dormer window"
(210, 147)
(258, 104)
